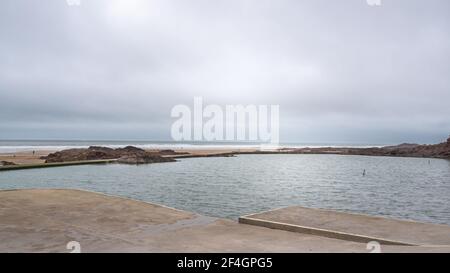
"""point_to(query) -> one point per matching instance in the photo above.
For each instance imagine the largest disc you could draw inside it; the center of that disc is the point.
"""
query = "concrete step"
(351, 227)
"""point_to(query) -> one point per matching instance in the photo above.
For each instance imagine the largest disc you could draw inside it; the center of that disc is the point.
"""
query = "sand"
(24, 157)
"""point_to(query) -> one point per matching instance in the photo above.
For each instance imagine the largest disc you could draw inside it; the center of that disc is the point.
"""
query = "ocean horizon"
(15, 146)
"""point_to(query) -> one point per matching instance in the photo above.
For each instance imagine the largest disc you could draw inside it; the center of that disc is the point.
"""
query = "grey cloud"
(340, 70)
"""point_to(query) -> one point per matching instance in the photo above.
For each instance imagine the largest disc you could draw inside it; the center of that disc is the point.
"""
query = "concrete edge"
(258, 222)
(104, 194)
(251, 215)
(319, 232)
(57, 164)
(67, 164)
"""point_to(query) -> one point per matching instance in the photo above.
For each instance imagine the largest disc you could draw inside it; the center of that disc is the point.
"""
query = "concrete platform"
(46, 220)
(352, 227)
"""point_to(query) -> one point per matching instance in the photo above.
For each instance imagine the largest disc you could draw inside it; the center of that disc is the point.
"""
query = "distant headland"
(441, 150)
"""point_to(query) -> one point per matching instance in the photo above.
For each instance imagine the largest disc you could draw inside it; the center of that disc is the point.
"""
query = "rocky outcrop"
(129, 154)
(92, 153)
(171, 152)
(441, 150)
(7, 163)
(143, 159)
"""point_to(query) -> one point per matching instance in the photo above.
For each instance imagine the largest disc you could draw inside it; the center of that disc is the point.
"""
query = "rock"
(402, 146)
(130, 150)
(441, 150)
(168, 152)
(128, 155)
(143, 159)
(7, 163)
(92, 153)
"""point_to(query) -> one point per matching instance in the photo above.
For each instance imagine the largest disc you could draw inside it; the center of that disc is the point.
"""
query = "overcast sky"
(341, 71)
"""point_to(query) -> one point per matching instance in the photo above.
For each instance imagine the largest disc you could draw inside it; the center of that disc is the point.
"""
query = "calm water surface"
(408, 188)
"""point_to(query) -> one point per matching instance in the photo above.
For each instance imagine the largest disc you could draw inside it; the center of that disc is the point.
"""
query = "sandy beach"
(24, 157)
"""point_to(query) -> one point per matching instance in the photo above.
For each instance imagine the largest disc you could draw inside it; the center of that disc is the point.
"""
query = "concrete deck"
(353, 227)
(46, 220)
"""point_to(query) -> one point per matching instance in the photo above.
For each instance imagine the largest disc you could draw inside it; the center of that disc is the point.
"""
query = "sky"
(340, 71)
